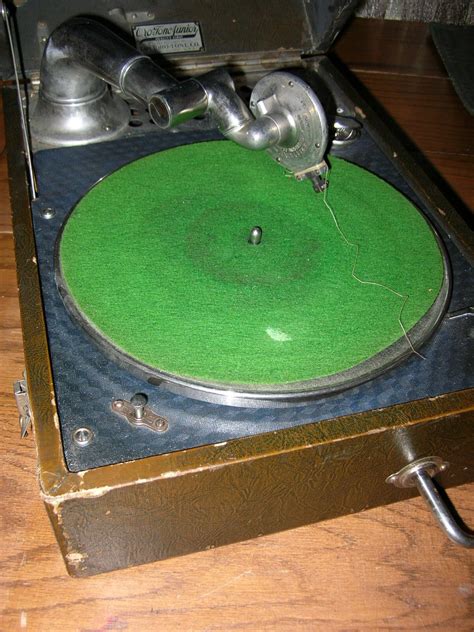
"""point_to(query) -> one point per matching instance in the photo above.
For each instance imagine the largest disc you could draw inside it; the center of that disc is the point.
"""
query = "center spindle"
(255, 236)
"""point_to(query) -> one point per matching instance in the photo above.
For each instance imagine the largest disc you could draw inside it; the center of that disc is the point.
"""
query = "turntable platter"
(159, 263)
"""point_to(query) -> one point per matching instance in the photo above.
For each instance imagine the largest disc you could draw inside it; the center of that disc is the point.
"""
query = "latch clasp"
(20, 390)
(138, 413)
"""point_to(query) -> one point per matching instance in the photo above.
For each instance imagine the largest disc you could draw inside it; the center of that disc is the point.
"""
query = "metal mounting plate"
(150, 419)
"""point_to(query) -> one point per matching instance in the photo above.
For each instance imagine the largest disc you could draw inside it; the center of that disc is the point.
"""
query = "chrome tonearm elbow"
(75, 105)
(285, 117)
(215, 93)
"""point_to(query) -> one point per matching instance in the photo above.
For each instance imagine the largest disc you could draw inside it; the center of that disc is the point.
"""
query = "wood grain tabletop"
(387, 568)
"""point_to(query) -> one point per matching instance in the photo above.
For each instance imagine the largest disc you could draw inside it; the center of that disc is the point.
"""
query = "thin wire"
(352, 244)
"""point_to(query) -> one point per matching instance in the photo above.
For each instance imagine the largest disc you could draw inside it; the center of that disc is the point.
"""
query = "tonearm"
(82, 58)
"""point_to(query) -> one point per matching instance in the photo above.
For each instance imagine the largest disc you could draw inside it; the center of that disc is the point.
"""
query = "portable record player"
(244, 307)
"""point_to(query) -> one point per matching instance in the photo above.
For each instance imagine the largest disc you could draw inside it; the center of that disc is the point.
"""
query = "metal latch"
(20, 391)
(137, 413)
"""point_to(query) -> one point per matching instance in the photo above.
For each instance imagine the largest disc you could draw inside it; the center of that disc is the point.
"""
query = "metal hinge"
(20, 391)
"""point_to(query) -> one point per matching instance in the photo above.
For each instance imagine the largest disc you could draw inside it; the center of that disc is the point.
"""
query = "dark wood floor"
(388, 568)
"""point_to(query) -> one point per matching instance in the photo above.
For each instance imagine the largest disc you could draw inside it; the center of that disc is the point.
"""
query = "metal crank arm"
(420, 474)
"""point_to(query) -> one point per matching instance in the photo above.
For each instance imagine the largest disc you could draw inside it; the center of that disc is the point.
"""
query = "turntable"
(244, 307)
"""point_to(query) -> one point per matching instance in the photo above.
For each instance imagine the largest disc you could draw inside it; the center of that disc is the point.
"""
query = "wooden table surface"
(387, 568)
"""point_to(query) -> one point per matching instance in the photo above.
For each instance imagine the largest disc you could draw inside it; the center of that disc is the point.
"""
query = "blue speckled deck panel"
(86, 381)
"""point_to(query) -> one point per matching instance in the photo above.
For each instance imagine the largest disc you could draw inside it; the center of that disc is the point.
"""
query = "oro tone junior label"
(176, 37)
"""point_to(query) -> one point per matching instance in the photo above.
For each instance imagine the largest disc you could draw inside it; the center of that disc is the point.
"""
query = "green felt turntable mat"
(156, 258)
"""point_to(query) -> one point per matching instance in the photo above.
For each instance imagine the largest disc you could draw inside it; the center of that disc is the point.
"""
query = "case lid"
(191, 32)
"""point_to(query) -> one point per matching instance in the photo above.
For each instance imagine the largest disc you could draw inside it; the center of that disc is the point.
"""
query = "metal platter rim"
(308, 391)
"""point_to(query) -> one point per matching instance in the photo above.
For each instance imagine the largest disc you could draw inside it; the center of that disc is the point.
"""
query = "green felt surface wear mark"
(157, 257)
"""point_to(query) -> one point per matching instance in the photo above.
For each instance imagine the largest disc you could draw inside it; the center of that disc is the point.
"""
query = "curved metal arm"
(441, 512)
(286, 118)
(234, 119)
(419, 474)
(215, 93)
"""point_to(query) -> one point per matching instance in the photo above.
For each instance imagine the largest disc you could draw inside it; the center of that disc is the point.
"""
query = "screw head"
(47, 212)
(83, 436)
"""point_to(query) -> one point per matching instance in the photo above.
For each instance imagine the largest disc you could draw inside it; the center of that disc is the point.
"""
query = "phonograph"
(245, 308)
